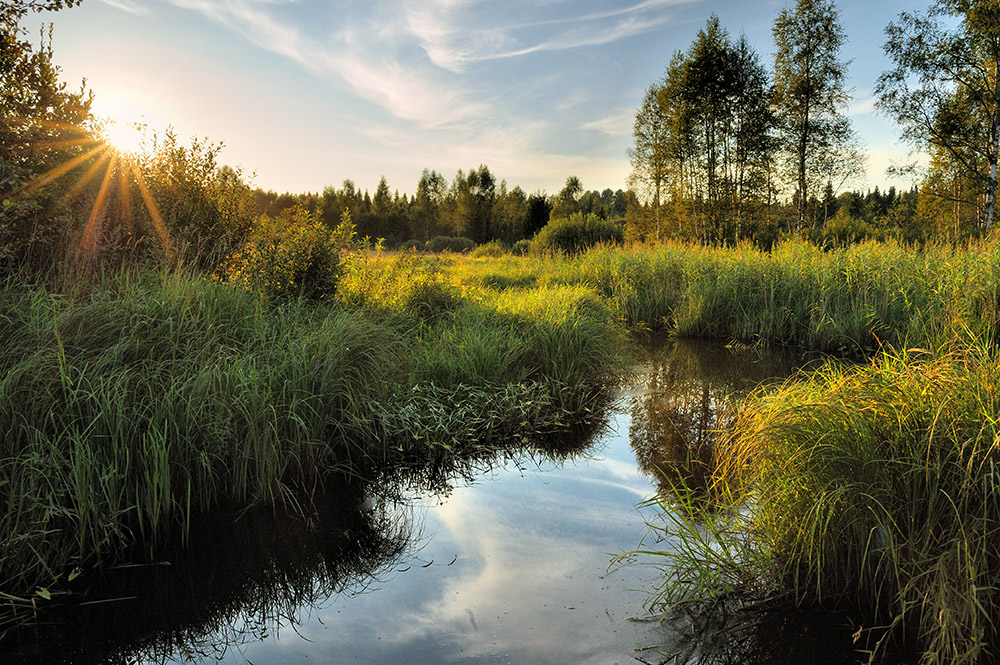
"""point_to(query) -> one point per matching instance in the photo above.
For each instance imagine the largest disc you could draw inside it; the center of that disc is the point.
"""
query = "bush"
(492, 248)
(521, 247)
(290, 258)
(456, 244)
(411, 246)
(577, 233)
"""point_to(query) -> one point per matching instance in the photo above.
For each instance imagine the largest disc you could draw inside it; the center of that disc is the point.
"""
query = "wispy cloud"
(862, 106)
(368, 59)
(456, 35)
(618, 124)
(130, 6)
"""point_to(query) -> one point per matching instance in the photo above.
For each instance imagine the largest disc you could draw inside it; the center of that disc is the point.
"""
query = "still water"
(508, 558)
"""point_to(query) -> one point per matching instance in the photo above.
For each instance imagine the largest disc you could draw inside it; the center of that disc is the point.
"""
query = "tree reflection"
(239, 577)
(689, 392)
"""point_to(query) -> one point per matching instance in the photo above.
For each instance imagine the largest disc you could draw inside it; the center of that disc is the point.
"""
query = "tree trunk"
(991, 183)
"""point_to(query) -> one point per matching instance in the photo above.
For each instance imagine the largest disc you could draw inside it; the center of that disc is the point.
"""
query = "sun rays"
(113, 152)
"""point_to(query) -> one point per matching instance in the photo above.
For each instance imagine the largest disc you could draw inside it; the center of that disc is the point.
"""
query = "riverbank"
(149, 397)
(146, 398)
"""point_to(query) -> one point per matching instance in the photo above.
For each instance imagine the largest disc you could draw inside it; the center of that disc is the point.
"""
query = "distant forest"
(724, 151)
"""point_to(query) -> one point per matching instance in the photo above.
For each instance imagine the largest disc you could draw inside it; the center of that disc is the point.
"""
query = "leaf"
(44, 593)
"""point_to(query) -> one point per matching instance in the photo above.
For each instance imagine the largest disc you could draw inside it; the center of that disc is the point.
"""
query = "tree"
(809, 93)
(482, 197)
(567, 201)
(713, 140)
(42, 127)
(944, 88)
(432, 189)
(649, 156)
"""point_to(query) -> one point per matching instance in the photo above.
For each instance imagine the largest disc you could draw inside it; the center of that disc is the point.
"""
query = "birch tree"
(943, 89)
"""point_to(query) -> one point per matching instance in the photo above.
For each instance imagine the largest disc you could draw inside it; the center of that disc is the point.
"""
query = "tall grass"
(847, 301)
(133, 403)
(129, 408)
(873, 489)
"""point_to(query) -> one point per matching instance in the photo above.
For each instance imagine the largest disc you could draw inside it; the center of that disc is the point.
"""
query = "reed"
(849, 301)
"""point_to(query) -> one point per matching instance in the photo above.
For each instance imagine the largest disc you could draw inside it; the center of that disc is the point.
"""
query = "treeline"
(725, 150)
(473, 205)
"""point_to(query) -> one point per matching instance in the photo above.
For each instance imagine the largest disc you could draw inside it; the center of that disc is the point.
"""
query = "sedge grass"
(871, 489)
(123, 414)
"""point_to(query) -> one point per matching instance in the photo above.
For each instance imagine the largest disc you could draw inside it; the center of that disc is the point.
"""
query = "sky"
(307, 93)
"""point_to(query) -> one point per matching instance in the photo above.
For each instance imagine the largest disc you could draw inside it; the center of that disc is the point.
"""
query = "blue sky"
(306, 93)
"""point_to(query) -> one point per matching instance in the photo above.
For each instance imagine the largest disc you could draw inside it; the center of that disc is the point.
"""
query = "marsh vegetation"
(178, 343)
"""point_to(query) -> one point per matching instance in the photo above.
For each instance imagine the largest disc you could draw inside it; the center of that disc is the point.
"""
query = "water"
(510, 558)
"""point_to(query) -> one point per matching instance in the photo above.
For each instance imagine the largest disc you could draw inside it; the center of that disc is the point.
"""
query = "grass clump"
(129, 408)
(401, 286)
(872, 489)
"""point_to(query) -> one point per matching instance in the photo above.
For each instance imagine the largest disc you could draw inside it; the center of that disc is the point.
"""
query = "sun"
(127, 138)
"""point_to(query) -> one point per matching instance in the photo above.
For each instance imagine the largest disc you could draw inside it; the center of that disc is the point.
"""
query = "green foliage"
(402, 286)
(41, 128)
(458, 244)
(942, 90)
(297, 257)
(208, 210)
(816, 136)
(577, 233)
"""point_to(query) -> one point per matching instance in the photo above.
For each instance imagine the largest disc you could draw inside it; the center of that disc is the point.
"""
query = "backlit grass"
(872, 490)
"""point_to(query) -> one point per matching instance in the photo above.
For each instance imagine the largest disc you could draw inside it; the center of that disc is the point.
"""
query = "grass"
(872, 490)
(850, 301)
(144, 399)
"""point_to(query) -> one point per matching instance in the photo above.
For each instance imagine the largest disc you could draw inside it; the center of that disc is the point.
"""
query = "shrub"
(290, 258)
(456, 244)
(492, 248)
(576, 233)
(521, 247)
(411, 246)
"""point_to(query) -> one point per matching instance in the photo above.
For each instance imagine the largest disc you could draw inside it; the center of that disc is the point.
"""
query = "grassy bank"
(873, 490)
(149, 397)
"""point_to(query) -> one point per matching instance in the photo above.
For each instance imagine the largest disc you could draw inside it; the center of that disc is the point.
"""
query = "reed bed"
(851, 301)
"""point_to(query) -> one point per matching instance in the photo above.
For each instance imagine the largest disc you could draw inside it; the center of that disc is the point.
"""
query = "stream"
(508, 558)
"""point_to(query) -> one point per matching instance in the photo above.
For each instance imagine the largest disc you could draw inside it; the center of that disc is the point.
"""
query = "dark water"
(502, 559)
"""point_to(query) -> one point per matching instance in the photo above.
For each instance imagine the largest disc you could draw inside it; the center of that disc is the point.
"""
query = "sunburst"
(112, 151)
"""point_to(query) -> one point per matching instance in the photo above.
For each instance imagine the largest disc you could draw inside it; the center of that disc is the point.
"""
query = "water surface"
(508, 558)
